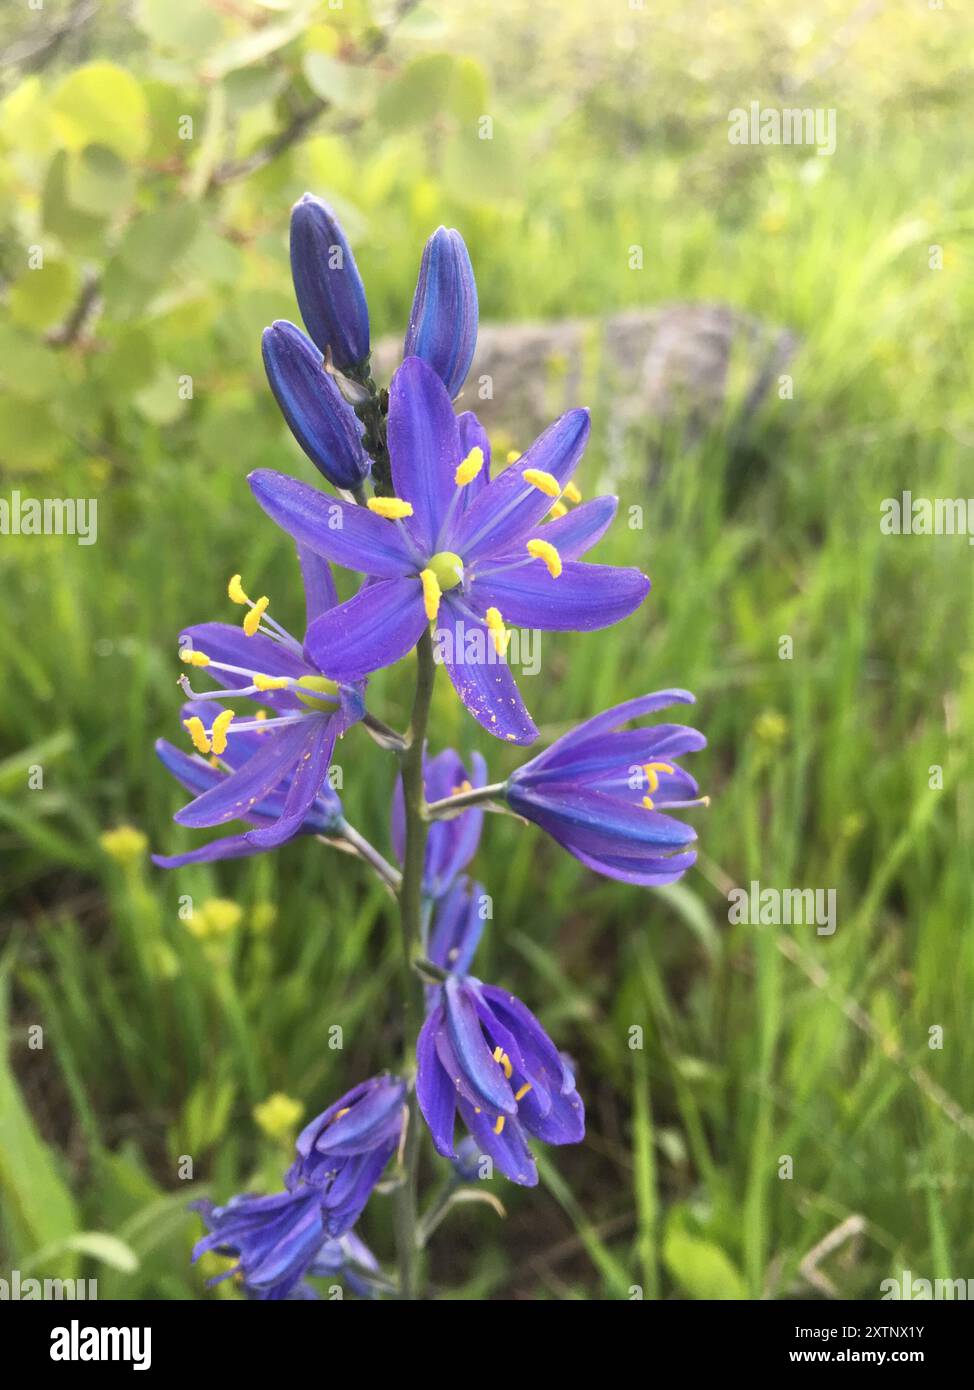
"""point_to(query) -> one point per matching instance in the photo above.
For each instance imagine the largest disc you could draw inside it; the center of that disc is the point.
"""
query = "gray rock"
(678, 363)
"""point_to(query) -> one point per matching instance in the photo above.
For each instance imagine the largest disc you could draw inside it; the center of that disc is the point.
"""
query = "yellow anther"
(502, 1059)
(499, 634)
(219, 731)
(192, 658)
(651, 769)
(392, 508)
(559, 509)
(499, 1127)
(519, 1095)
(513, 455)
(431, 593)
(270, 682)
(470, 467)
(464, 786)
(648, 803)
(544, 550)
(338, 1115)
(572, 493)
(194, 727)
(252, 621)
(544, 482)
(235, 590)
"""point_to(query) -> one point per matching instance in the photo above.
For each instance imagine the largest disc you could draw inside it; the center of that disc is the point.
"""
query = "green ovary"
(448, 569)
(324, 687)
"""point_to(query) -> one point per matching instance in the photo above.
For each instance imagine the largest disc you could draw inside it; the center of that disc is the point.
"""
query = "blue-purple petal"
(443, 320)
(327, 283)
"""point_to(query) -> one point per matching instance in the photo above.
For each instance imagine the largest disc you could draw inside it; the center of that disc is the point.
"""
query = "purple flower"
(458, 924)
(603, 792)
(327, 284)
(350, 1259)
(278, 1241)
(324, 424)
(472, 562)
(342, 1152)
(451, 844)
(270, 771)
(482, 1053)
(275, 1239)
(443, 320)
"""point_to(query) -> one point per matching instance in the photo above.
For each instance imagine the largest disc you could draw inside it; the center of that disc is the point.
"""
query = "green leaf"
(101, 104)
(418, 93)
(329, 79)
(155, 240)
(160, 401)
(99, 181)
(29, 438)
(108, 1249)
(256, 46)
(43, 296)
(187, 26)
(37, 1203)
(701, 1268)
(76, 230)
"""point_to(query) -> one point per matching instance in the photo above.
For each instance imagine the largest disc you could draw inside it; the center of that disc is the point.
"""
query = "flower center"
(323, 686)
(447, 569)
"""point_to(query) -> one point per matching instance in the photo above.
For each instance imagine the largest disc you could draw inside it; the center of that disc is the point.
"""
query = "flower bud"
(443, 320)
(325, 426)
(327, 283)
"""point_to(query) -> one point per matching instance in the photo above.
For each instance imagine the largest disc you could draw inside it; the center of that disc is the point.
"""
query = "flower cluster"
(448, 548)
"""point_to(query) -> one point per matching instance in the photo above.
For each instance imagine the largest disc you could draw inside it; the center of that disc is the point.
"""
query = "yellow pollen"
(651, 770)
(270, 682)
(572, 493)
(192, 658)
(194, 727)
(340, 1113)
(519, 1095)
(499, 1127)
(431, 593)
(502, 1059)
(559, 509)
(463, 787)
(513, 455)
(219, 731)
(648, 803)
(544, 482)
(470, 467)
(544, 550)
(235, 590)
(252, 621)
(499, 634)
(392, 508)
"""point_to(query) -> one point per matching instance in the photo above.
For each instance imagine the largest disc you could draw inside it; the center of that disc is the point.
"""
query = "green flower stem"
(453, 805)
(411, 920)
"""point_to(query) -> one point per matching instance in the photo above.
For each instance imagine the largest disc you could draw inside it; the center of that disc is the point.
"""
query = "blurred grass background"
(610, 129)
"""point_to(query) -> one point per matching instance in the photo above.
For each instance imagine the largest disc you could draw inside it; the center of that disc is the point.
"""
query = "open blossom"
(604, 792)
(464, 561)
(271, 769)
(481, 1053)
(450, 844)
(341, 1154)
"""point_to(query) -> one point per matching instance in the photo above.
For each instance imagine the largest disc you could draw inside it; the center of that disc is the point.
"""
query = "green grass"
(758, 1042)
